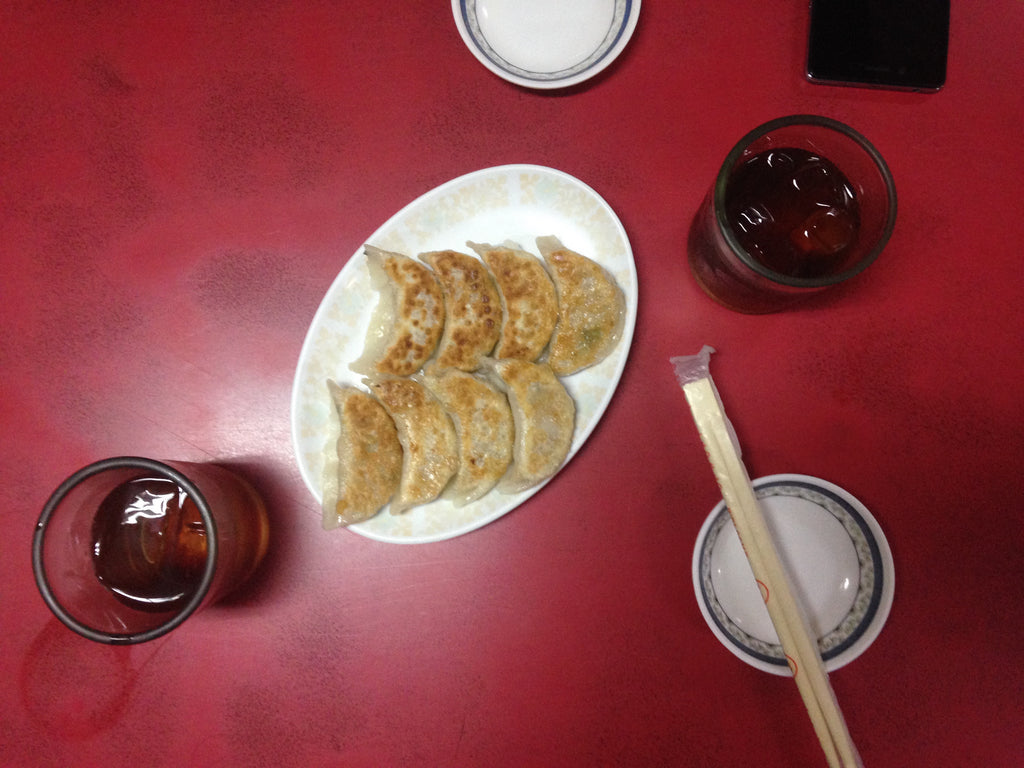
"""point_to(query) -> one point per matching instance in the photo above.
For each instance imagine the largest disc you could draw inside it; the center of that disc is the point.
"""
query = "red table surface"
(180, 185)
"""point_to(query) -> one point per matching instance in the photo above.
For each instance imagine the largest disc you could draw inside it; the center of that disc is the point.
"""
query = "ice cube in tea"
(794, 212)
(149, 544)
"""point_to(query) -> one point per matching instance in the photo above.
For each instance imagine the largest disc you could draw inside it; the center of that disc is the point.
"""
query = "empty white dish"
(544, 44)
(837, 558)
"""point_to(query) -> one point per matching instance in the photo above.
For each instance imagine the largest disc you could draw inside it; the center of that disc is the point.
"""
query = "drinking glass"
(118, 532)
(726, 246)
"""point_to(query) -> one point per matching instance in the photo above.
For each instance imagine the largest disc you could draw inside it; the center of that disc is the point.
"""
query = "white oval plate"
(545, 44)
(838, 559)
(512, 202)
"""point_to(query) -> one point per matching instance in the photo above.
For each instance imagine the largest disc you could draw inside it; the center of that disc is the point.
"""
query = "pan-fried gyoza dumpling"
(485, 430)
(409, 317)
(591, 309)
(544, 415)
(429, 446)
(363, 467)
(528, 301)
(472, 309)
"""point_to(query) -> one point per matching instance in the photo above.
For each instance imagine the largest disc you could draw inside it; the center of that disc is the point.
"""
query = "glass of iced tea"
(128, 548)
(800, 204)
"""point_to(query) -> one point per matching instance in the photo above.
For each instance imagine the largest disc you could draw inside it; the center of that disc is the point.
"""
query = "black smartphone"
(898, 44)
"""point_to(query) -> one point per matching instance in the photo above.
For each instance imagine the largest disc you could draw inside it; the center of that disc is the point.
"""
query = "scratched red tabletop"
(180, 186)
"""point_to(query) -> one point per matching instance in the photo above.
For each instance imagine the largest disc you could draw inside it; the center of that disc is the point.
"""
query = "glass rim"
(819, 121)
(98, 467)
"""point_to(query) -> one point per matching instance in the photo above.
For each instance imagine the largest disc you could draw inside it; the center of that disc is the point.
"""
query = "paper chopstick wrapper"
(786, 613)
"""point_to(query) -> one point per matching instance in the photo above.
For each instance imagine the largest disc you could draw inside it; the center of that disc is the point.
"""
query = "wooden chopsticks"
(787, 616)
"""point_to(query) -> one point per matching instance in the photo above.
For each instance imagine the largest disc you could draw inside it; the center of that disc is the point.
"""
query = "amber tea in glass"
(800, 204)
(127, 548)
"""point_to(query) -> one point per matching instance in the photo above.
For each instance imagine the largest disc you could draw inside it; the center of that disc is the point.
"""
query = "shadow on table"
(75, 688)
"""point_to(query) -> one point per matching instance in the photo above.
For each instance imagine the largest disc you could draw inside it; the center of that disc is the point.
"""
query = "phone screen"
(899, 44)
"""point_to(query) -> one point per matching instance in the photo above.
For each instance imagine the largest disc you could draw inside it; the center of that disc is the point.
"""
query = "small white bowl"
(837, 558)
(543, 43)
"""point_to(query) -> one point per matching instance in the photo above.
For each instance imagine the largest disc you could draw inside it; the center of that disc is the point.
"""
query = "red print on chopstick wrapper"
(764, 589)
